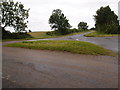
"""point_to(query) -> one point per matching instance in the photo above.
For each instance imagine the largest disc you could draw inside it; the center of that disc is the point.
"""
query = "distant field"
(38, 34)
(79, 47)
(96, 34)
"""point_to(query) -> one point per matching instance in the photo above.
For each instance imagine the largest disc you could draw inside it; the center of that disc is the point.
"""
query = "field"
(40, 35)
(79, 47)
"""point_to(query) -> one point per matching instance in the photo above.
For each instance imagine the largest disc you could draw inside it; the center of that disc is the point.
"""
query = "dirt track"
(25, 68)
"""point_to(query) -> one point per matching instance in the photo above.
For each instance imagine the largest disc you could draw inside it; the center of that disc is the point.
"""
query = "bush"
(92, 28)
(53, 33)
(6, 34)
(68, 31)
(9, 35)
(20, 35)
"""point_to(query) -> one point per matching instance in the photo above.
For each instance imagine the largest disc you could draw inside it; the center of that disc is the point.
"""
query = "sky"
(75, 11)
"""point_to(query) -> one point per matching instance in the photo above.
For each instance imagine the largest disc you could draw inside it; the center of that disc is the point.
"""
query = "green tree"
(14, 15)
(106, 20)
(59, 22)
(82, 25)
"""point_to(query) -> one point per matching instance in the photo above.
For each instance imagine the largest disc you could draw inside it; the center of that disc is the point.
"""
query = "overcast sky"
(74, 10)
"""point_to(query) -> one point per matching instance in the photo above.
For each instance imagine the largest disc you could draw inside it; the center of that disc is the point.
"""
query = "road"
(110, 43)
(26, 68)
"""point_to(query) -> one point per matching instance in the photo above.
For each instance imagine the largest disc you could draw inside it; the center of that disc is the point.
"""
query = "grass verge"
(78, 47)
(96, 34)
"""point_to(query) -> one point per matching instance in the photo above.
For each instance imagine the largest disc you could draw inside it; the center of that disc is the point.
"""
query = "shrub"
(9, 35)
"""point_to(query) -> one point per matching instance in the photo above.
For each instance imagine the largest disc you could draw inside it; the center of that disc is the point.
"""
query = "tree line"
(60, 23)
(15, 15)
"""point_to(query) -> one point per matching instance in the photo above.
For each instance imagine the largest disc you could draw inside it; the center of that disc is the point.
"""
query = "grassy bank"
(79, 47)
(96, 34)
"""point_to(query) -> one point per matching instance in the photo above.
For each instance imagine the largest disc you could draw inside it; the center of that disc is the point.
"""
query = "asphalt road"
(26, 68)
(110, 43)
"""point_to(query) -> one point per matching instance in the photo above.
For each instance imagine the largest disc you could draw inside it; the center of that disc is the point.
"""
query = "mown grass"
(78, 47)
(96, 34)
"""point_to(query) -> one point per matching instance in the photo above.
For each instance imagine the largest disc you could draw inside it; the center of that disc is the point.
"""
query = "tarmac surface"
(26, 68)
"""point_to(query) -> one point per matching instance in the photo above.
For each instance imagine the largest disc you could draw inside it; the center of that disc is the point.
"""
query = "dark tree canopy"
(82, 25)
(106, 20)
(59, 22)
(14, 15)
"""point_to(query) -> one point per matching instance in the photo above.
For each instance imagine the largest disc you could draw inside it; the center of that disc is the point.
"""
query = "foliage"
(98, 34)
(14, 15)
(82, 25)
(69, 31)
(9, 35)
(106, 20)
(6, 34)
(92, 28)
(52, 33)
(30, 31)
(79, 47)
(58, 22)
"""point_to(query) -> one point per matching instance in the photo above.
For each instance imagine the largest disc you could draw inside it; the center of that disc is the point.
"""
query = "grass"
(78, 47)
(96, 34)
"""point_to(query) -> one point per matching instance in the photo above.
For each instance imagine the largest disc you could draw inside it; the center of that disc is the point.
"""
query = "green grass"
(78, 47)
(96, 34)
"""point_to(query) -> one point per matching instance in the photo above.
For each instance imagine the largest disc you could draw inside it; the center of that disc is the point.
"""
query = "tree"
(59, 22)
(30, 31)
(82, 25)
(14, 15)
(106, 20)
(92, 28)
